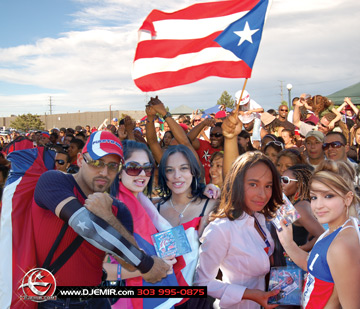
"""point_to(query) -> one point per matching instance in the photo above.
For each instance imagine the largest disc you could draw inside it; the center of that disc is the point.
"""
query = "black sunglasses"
(112, 166)
(216, 135)
(60, 162)
(284, 110)
(134, 168)
(336, 144)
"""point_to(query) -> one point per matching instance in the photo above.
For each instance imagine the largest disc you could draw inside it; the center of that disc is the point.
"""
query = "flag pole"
(238, 103)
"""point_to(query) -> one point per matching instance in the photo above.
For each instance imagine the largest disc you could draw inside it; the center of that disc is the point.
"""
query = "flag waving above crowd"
(206, 39)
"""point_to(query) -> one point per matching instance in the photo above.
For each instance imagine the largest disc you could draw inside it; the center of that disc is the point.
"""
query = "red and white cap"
(103, 143)
(245, 97)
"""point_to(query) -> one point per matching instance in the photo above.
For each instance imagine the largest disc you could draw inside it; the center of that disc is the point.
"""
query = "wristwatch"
(168, 114)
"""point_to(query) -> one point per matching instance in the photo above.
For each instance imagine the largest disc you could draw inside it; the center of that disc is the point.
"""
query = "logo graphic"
(38, 285)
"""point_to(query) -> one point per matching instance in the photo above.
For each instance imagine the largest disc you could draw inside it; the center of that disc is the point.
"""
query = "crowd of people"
(220, 176)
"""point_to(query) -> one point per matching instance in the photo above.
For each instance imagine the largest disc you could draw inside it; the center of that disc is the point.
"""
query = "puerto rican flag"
(206, 39)
(17, 244)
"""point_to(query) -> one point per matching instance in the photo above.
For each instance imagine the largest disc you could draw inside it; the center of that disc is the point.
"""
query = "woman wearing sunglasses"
(295, 185)
(333, 264)
(272, 149)
(136, 177)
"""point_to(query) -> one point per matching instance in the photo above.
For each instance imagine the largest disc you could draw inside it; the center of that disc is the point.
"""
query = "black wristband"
(168, 114)
(146, 263)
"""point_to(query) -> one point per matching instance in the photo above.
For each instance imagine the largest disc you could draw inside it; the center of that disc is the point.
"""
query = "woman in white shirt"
(237, 240)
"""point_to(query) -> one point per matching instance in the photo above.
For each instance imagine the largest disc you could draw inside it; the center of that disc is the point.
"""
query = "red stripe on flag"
(173, 48)
(161, 80)
(202, 10)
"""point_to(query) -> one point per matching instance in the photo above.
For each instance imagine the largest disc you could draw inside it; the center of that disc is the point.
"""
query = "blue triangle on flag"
(237, 43)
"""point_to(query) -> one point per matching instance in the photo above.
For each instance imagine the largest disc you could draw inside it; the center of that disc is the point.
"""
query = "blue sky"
(80, 53)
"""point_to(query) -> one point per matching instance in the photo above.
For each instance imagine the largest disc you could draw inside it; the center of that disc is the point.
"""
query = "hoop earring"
(347, 211)
(196, 183)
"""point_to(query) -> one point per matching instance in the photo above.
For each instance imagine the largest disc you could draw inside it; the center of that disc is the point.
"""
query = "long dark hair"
(129, 147)
(232, 205)
(197, 188)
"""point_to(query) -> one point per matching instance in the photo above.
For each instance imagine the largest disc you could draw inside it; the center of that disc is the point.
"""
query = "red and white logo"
(38, 285)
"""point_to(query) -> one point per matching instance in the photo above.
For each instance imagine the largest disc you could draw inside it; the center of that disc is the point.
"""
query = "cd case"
(286, 212)
(170, 242)
(289, 280)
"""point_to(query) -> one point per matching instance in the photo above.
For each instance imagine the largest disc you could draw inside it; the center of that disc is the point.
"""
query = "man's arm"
(296, 115)
(195, 131)
(97, 224)
(175, 128)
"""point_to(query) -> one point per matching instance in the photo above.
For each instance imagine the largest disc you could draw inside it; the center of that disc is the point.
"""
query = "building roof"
(182, 110)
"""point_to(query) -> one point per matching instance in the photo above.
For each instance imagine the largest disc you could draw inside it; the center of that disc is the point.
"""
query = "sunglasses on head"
(60, 162)
(216, 135)
(277, 143)
(326, 146)
(135, 169)
(286, 180)
(112, 166)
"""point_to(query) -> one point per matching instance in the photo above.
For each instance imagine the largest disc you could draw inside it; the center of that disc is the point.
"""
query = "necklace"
(181, 214)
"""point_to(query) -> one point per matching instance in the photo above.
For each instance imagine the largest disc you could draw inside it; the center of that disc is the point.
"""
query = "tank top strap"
(205, 205)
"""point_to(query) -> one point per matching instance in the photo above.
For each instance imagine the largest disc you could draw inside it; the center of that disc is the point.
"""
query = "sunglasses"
(277, 143)
(60, 162)
(197, 120)
(323, 125)
(216, 135)
(284, 110)
(112, 166)
(135, 169)
(326, 146)
(286, 180)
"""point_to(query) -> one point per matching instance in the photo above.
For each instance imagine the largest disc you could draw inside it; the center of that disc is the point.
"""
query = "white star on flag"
(246, 34)
(82, 226)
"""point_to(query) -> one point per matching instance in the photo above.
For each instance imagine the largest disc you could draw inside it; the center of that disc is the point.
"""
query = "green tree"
(27, 122)
(226, 100)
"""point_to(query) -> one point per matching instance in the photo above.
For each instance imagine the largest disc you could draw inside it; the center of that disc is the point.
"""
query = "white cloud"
(310, 44)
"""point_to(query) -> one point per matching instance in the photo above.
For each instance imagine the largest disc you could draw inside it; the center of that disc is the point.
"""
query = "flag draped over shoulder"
(17, 245)
(206, 39)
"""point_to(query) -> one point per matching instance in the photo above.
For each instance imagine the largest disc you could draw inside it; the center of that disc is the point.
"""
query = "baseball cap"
(245, 98)
(115, 119)
(157, 125)
(246, 118)
(317, 134)
(103, 143)
(220, 114)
